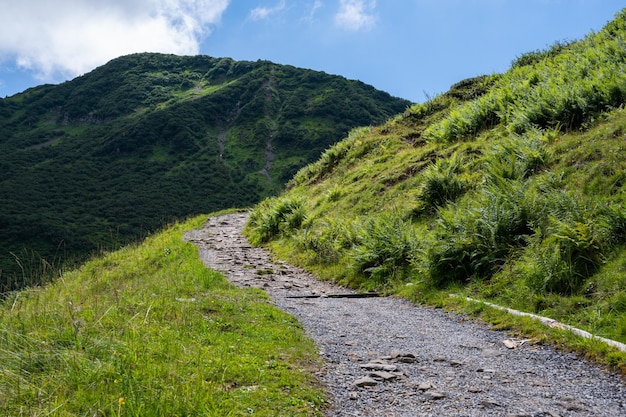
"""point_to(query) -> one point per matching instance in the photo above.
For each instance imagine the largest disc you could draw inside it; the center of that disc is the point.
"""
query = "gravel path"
(387, 357)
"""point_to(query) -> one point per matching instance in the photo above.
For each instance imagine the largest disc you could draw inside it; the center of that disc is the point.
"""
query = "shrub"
(568, 246)
(328, 240)
(273, 217)
(474, 240)
(385, 249)
(517, 156)
(442, 183)
(558, 264)
(565, 87)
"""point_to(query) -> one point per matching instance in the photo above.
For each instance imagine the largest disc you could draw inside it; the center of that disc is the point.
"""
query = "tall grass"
(475, 237)
(565, 89)
(274, 216)
(149, 331)
(385, 250)
(442, 183)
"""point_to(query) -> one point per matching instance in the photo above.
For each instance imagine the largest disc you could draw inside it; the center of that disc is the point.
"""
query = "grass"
(505, 189)
(149, 331)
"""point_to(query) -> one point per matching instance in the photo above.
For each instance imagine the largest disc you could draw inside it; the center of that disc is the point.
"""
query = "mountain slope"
(122, 150)
(508, 187)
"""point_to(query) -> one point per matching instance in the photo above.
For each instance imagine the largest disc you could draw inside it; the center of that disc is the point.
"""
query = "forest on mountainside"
(109, 157)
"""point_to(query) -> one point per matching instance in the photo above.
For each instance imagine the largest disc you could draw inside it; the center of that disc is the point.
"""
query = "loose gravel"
(387, 357)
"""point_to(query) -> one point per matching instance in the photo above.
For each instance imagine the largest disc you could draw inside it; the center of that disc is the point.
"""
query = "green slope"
(117, 153)
(508, 187)
(149, 331)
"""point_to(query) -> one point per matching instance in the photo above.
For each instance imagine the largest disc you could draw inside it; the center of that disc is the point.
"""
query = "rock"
(404, 357)
(513, 344)
(456, 363)
(474, 390)
(489, 403)
(365, 381)
(509, 344)
(376, 366)
(435, 395)
(385, 376)
(424, 386)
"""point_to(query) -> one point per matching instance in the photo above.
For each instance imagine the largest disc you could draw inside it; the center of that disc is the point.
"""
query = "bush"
(475, 239)
(517, 157)
(328, 241)
(568, 245)
(273, 217)
(386, 249)
(442, 183)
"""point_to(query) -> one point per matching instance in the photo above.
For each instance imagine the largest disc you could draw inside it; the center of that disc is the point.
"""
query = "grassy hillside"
(508, 188)
(117, 153)
(149, 331)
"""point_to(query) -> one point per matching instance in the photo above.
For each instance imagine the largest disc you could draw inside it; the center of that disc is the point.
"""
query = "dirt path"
(386, 357)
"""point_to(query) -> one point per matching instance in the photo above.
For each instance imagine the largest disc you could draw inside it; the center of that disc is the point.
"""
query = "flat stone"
(424, 386)
(385, 376)
(404, 357)
(374, 366)
(435, 395)
(489, 403)
(365, 381)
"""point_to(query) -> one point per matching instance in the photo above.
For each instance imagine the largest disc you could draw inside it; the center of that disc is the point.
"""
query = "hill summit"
(147, 138)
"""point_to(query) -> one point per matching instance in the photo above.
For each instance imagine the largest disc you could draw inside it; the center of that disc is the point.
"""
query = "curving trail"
(386, 357)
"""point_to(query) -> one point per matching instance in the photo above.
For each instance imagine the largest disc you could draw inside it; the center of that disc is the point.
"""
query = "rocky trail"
(386, 357)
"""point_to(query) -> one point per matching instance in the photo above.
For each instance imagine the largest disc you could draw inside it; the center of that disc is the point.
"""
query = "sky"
(414, 49)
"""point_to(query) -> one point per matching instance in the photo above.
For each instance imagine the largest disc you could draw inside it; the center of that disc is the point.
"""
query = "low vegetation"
(508, 188)
(149, 331)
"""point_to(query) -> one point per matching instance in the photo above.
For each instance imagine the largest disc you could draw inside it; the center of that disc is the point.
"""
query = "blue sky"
(409, 48)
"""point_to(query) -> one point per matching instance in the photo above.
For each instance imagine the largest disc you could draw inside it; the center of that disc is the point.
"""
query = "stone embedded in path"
(365, 381)
(385, 376)
(435, 395)
(403, 357)
(377, 366)
(490, 403)
(424, 386)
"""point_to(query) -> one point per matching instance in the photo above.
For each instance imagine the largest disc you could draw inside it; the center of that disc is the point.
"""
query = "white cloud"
(261, 13)
(317, 4)
(356, 14)
(67, 38)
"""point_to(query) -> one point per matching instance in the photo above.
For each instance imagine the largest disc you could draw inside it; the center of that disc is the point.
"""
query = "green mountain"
(509, 187)
(117, 153)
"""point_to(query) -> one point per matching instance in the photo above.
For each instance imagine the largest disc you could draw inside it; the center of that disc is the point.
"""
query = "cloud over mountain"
(356, 14)
(64, 39)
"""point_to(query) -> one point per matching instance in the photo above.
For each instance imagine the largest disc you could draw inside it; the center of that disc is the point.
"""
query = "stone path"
(387, 357)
